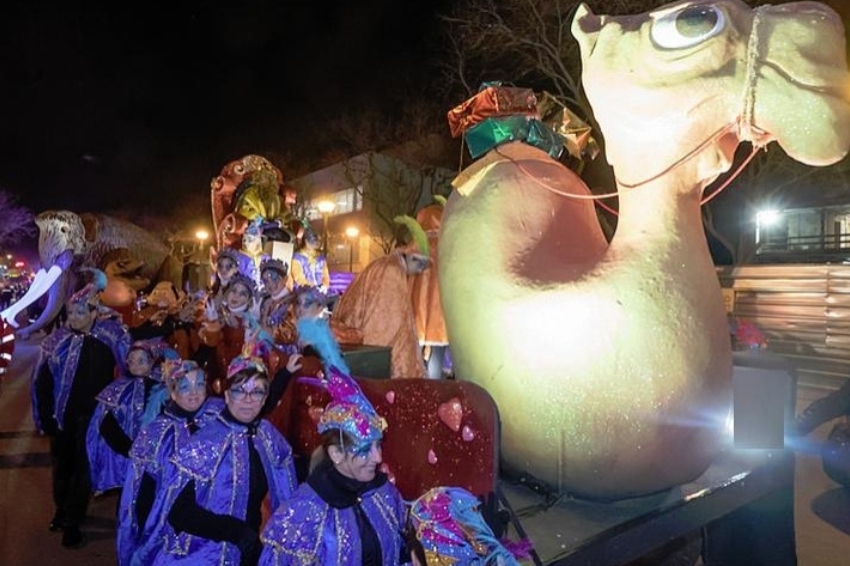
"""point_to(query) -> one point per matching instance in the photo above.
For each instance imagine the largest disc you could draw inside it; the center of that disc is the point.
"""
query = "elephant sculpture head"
(61, 240)
(130, 255)
(611, 361)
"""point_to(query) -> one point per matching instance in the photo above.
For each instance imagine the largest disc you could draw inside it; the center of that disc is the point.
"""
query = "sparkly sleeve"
(294, 533)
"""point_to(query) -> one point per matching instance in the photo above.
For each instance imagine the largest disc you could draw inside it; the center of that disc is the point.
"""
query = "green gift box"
(492, 132)
(486, 135)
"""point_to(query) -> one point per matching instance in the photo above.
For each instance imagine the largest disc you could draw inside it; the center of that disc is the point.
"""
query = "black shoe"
(57, 523)
(72, 537)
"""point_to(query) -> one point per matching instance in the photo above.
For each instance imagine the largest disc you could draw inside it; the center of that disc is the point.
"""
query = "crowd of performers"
(170, 411)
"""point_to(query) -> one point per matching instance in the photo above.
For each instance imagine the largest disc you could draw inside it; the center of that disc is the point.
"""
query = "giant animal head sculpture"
(611, 363)
(68, 241)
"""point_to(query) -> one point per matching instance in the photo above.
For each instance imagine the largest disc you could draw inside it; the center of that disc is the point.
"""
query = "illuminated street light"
(765, 219)
(325, 208)
(202, 235)
(351, 232)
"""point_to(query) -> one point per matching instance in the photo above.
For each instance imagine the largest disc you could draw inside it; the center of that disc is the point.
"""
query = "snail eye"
(687, 26)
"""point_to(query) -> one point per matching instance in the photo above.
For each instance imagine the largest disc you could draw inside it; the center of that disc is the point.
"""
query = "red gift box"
(491, 101)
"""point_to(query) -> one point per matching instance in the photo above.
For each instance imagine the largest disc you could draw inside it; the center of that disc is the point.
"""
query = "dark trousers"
(71, 480)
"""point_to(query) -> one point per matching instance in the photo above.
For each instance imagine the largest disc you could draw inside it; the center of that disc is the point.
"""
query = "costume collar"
(280, 294)
(340, 491)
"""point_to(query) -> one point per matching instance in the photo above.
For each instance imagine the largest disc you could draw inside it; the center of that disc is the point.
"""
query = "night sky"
(117, 105)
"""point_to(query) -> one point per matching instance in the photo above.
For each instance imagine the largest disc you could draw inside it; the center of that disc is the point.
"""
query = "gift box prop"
(500, 114)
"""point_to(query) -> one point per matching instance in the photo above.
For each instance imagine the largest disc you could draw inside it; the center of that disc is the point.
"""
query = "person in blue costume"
(347, 512)
(187, 411)
(76, 362)
(123, 407)
(213, 504)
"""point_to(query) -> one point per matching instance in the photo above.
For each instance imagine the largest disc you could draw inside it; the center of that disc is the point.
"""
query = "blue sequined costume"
(60, 352)
(217, 461)
(319, 524)
(123, 399)
(151, 462)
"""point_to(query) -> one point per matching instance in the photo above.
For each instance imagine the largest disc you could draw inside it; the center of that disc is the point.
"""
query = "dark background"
(128, 105)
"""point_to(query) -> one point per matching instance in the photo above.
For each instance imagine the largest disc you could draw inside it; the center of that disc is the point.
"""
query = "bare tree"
(390, 187)
(16, 221)
(524, 42)
(393, 160)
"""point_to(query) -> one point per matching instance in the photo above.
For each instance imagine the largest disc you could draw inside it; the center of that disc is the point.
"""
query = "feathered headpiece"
(452, 530)
(317, 333)
(89, 293)
(250, 359)
(174, 370)
(420, 238)
(350, 411)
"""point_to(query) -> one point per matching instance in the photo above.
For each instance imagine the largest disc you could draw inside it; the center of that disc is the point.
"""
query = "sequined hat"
(242, 279)
(253, 364)
(174, 370)
(159, 351)
(451, 529)
(89, 293)
(274, 264)
(229, 253)
(350, 411)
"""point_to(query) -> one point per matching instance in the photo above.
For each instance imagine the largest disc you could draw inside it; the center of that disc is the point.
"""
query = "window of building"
(349, 200)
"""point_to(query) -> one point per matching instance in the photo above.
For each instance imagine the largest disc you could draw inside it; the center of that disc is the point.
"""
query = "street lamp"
(202, 236)
(325, 208)
(351, 232)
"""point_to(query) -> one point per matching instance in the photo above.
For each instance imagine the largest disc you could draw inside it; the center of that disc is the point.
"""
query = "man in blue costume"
(77, 361)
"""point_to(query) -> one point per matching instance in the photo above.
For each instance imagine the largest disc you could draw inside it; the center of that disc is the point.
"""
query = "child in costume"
(277, 314)
(187, 410)
(224, 324)
(223, 473)
(347, 512)
(123, 407)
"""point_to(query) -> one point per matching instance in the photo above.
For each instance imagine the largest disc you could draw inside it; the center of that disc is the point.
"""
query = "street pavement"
(822, 507)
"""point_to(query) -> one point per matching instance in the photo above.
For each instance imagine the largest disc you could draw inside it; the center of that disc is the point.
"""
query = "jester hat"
(451, 529)
(350, 411)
